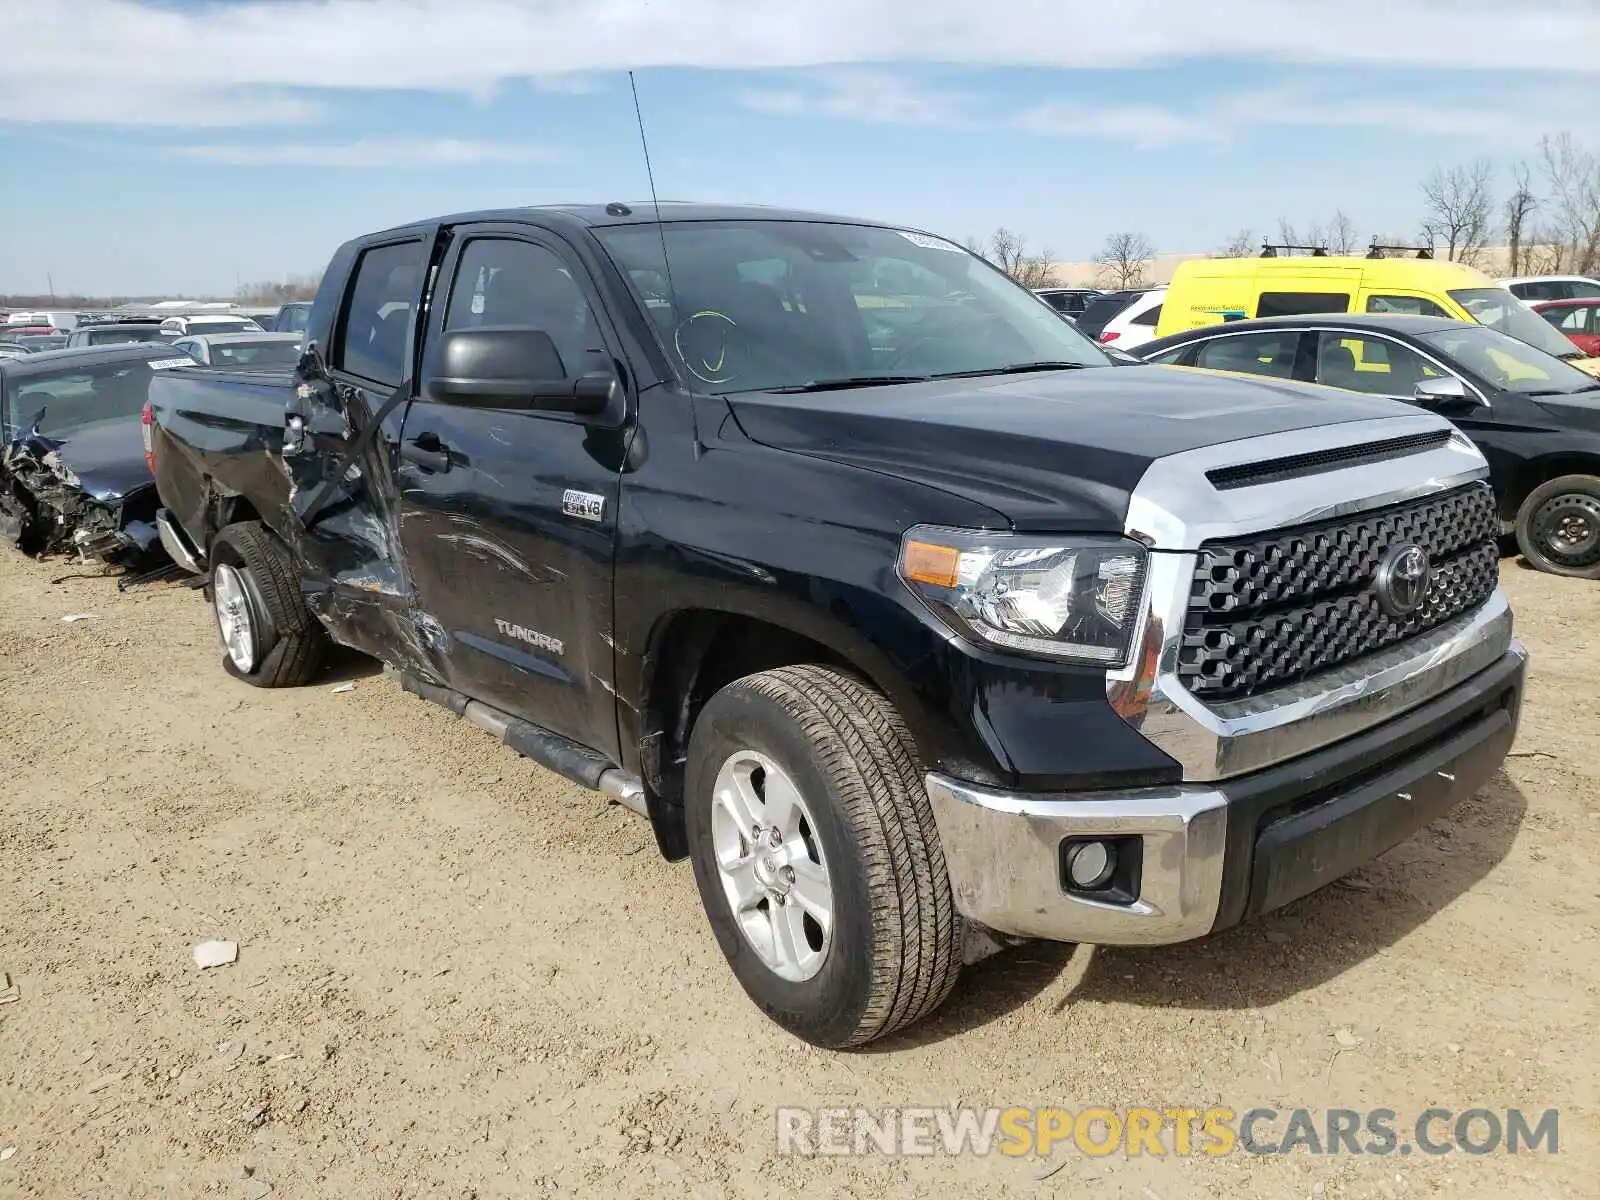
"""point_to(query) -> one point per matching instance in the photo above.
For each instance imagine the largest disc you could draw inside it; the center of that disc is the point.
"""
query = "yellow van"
(1209, 291)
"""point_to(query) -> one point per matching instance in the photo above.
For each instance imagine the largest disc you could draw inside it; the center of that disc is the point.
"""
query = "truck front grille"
(1278, 607)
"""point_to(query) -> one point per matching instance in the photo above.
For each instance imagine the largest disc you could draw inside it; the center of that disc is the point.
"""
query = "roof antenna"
(666, 261)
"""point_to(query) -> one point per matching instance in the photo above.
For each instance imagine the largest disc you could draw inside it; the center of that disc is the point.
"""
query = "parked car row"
(1213, 291)
(29, 332)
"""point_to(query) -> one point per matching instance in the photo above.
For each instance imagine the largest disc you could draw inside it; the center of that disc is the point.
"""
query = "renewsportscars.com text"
(1176, 1130)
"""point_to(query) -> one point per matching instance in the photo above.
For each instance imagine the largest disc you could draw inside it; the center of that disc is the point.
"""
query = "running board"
(565, 757)
(177, 545)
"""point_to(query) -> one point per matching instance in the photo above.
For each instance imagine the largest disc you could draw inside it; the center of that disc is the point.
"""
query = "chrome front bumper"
(1003, 853)
(1213, 853)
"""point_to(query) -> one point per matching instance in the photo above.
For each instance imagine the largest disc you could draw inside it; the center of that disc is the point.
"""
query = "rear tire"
(269, 637)
(817, 745)
(1558, 527)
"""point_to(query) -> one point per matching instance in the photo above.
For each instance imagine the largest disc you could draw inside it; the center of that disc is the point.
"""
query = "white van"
(63, 321)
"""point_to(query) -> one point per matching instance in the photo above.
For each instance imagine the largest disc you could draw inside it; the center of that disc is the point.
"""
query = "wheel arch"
(693, 652)
(1537, 472)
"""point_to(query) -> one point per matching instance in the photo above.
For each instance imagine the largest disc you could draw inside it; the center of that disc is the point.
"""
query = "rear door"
(1272, 353)
(1371, 363)
(509, 517)
(351, 402)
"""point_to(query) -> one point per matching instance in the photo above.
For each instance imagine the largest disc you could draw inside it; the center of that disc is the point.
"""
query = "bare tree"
(1240, 245)
(1290, 234)
(294, 287)
(1341, 233)
(1519, 208)
(1009, 251)
(1572, 175)
(1123, 260)
(1458, 209)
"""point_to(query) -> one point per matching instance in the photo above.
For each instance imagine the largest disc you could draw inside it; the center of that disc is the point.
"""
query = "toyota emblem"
(1403, 578)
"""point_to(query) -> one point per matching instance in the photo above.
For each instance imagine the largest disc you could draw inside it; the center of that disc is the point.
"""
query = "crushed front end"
(46, 509)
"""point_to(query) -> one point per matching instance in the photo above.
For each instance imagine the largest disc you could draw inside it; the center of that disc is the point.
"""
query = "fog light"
(1090, 865)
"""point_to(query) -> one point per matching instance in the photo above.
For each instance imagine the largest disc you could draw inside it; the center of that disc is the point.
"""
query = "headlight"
(1073, 598)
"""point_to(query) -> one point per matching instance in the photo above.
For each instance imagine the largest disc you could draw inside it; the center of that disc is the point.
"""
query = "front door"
(509, 517)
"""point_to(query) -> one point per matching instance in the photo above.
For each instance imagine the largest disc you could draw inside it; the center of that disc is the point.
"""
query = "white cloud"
(366, 153)
(1497, 115)
(854, 94)
(133, 57)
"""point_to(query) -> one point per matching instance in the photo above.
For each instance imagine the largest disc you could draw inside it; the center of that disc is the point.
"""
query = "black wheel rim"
(1567, 529)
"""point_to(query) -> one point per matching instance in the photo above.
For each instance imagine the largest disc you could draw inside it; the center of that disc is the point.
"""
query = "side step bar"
(177, 545)
(550, 750)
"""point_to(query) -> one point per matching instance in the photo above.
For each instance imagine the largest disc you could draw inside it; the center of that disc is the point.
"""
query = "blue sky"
(176, 146)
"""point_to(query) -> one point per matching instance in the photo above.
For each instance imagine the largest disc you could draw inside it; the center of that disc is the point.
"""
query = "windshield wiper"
(1015, 369)
(847, 382)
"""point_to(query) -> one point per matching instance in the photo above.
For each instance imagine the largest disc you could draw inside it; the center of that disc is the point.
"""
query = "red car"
(1578, 319)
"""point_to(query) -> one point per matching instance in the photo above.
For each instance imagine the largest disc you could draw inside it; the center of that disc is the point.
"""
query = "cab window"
(1415, 306)
(1584, 289)
(1271, 353)
(1297, 304)
(1373, 365)
(374, 335)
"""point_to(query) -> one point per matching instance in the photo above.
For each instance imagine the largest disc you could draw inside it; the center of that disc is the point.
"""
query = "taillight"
(1109, 336)
(146, 420)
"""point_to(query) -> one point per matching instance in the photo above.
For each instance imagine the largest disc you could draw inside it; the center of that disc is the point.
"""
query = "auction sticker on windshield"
(161, 364)
(929, 243)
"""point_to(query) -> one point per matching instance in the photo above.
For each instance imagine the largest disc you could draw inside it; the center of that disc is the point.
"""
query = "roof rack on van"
(1271, 249)
(1379, 251)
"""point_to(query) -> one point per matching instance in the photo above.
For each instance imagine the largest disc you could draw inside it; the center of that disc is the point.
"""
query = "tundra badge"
(589, 506)
(533, 637)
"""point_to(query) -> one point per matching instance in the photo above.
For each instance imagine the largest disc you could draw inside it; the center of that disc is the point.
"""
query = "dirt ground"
(461, 977)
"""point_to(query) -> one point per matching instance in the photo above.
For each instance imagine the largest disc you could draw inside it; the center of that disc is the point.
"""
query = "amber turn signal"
(928, 563)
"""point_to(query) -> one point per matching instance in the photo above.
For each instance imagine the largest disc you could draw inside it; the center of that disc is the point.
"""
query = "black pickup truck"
(859, 572)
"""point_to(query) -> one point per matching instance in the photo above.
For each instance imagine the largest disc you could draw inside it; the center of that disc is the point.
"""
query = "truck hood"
(108, 460)
(1061, 450)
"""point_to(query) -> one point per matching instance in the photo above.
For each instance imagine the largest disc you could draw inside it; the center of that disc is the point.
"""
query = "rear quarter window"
(1298, 304)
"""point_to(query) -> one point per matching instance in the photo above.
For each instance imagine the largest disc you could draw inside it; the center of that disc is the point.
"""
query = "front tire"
(1558, 527)
(816, 855)
(269, 637)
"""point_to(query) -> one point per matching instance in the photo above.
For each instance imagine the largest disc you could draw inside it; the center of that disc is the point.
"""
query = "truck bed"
(225, 426)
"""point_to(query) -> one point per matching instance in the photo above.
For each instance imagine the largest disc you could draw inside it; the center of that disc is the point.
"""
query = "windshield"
(256, 354)
(1506, 362)
(1497, 308)
(75, 398)
(760, 305)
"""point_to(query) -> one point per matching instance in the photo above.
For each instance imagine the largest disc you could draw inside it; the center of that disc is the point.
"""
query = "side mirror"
(1445, 391)
(501, 367)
